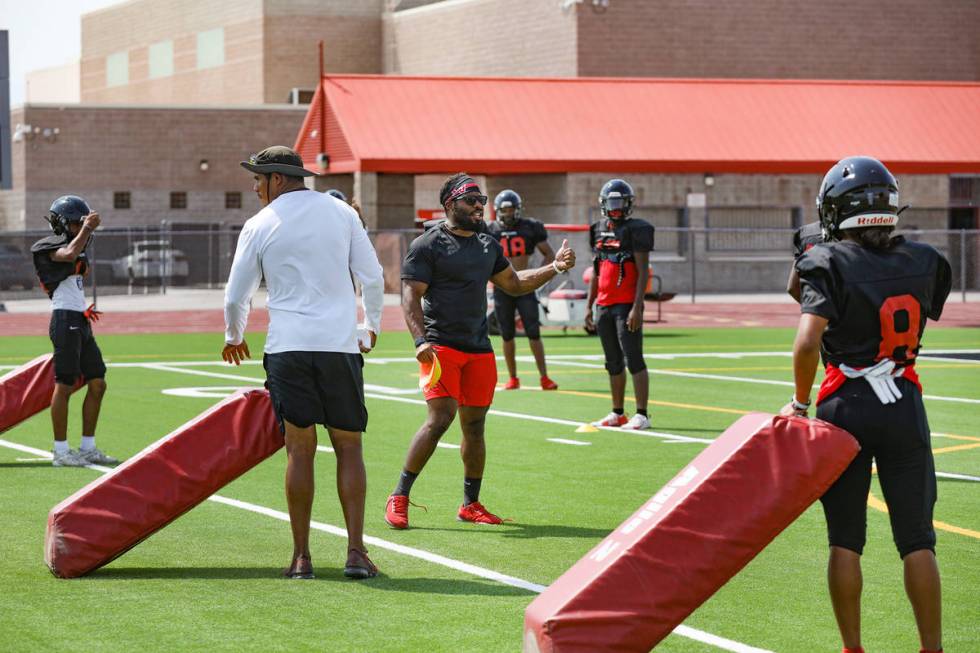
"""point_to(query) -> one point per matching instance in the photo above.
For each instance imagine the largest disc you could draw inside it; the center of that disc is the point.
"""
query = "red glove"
(91, 314)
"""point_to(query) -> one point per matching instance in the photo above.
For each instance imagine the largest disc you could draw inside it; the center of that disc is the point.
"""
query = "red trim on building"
(484, 125)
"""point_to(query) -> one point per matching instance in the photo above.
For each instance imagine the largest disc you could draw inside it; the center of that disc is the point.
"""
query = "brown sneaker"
(359, 565)
(301, 569)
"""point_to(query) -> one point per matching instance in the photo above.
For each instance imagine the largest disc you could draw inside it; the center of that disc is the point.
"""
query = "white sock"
(88, 443)
(60, 447)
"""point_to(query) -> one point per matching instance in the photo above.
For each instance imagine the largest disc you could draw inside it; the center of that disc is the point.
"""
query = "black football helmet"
(616, 195)
(857, 192)
(506, 199)
(65, 210)
(333, 192)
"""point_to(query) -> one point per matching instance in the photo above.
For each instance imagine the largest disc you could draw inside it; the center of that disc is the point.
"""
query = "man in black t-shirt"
(444, 280)
(520, 237)
(865, 300)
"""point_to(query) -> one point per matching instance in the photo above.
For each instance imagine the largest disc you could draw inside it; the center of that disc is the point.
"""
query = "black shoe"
(363, 567)
(301, 569)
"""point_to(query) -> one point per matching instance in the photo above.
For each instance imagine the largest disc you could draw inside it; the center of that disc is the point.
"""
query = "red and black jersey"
(806, 237)
(876, 301)
(519, 239)
(49, 272)
(613, 244)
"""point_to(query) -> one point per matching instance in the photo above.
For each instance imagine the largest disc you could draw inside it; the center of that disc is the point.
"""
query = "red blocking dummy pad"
(26, 391)
(698, 531)
(114, 513)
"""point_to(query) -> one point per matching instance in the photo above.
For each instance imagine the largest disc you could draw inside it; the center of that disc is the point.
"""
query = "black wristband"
(420, 341)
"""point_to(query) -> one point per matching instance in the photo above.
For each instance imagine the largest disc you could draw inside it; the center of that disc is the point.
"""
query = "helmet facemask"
(616, 200)
(507, 207)
(616, 207)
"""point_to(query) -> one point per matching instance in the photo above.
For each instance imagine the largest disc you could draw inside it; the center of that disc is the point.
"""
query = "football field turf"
(209, 581)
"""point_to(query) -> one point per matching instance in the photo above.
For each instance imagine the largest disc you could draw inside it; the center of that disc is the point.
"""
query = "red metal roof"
(485, 125)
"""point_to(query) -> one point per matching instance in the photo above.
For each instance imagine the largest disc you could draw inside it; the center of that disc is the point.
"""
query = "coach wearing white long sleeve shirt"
(307, 244)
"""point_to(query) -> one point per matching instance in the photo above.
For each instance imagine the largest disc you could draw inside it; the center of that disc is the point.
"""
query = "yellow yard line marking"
(959, 447)
(958, 437)
(605, 395)
(878, 504)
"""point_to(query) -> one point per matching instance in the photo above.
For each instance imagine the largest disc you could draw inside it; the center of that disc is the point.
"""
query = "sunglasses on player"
(472, 200)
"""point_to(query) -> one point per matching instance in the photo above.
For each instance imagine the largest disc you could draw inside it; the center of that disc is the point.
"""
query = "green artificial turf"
(209, 581)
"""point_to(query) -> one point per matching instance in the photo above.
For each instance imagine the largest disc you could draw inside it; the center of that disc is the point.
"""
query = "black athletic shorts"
(75, 351)
(317, 387)
(504, 306)
(618, 342)
(896, 436)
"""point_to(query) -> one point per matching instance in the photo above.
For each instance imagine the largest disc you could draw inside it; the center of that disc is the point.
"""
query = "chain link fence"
(737, 251)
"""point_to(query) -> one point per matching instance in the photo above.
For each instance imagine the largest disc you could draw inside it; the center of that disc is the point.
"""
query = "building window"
(178, 200)
(117, 69)
(121, 200)
(211, 48)
(233, 200)
(162, 59)
(960, 190)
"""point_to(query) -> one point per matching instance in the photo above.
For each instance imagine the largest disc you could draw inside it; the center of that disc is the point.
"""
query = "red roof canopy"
(382, 123)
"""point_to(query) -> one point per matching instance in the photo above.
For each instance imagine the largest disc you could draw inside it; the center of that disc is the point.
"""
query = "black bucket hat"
(277, 158)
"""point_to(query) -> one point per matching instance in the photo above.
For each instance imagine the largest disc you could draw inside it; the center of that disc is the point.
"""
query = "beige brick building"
(222, 53)
(257, 51)
(150, 67)
(134, 164)
(788, 39)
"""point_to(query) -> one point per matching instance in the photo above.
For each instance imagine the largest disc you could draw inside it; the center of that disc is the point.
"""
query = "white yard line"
(378, 360)
(386, 395)
(447, 445)
(669, 437)
(959, 477)
(451, 563)
(578, 443)
(736, 379)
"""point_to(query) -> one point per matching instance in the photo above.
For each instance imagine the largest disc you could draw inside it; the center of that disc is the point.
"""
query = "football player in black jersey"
(621, 247)
(61, 264)
(520, 237)
(865, 300)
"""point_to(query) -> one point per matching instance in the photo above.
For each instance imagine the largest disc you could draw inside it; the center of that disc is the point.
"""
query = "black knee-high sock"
(405, 483)
(471, 490)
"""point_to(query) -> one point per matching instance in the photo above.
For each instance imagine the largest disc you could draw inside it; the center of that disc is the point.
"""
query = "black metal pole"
(963, 264)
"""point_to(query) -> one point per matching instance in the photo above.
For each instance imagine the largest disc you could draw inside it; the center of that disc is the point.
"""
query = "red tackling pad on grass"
(679, 548)
(114, 513)
(26, 391)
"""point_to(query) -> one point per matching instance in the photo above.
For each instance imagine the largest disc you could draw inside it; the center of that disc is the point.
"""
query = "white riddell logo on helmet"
(878, 219)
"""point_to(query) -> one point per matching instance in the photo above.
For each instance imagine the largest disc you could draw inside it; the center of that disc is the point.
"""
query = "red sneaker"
(513, 383)
(548, 384)
(477, 514)
(396, 510)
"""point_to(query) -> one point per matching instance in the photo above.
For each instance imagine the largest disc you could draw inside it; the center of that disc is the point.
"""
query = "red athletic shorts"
(470, 379)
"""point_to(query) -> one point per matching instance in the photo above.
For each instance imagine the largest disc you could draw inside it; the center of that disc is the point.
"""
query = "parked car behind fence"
(151, 260)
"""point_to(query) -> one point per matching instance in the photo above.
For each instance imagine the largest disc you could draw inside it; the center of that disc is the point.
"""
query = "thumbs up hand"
(565, 258)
